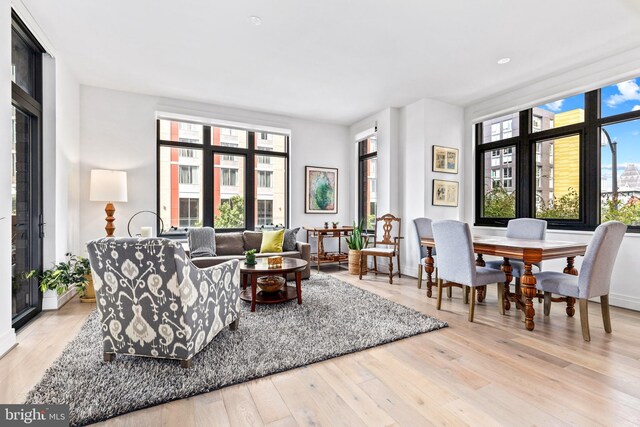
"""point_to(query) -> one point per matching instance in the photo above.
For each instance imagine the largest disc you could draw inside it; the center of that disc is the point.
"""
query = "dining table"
(529, 252)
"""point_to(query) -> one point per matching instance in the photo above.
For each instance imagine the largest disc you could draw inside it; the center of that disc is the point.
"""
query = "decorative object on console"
(272, 241)
(445, 193)
(321, 190)
(445, 159)
(335, 224)
(108, 186)
(274, 261)
(356, 242)
(250, 257)
(147, 230)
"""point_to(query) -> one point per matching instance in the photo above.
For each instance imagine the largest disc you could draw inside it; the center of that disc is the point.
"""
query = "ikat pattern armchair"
(154, 302)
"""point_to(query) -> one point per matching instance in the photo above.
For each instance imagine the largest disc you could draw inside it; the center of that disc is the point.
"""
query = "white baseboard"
(624, 301)
(7, 341)
(51, 300)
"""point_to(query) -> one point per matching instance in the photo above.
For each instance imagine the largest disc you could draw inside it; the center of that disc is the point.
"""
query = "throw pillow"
(272, 241)
(202, 242)
(290, 239)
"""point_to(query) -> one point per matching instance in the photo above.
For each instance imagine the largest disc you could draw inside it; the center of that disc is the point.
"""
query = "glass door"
(26, 218)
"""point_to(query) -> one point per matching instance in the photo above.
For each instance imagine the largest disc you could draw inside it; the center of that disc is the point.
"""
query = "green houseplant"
(356, 242)
(75, 271)
(251, 257)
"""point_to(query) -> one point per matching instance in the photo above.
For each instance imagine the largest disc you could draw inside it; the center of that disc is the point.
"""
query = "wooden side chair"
(390, 245)
(457, 264)
(593, 281)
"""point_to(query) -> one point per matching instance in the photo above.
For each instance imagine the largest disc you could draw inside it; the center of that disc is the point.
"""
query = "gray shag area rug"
(335, 318)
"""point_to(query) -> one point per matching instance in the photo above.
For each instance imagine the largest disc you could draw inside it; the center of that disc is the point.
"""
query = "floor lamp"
(108, 186)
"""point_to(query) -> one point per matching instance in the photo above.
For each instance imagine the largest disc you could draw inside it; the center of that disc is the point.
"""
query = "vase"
(89, 292)
(354, 262)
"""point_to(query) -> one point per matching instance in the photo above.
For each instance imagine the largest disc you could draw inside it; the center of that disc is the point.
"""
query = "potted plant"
(356, 243)
(251, 257)
(335, 224)
(75, 271)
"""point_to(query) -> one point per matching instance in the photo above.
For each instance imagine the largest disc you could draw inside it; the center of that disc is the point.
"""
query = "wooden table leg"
(482, 290)
(507, 269)
(320, 249)
(244, 281)
(299, 286)
(254, 285)
(528, 287)
(570, 269)
(429, 269)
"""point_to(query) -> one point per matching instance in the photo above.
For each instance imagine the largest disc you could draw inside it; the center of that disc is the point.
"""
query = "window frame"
(362, 185)
(208, 186)
(525, 175)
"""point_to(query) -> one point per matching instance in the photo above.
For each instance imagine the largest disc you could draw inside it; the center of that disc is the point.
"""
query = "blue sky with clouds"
(616, 99)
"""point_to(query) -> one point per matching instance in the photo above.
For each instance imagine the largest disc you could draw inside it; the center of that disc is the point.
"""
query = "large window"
(367, 163)
(227, 178)
(577, 163)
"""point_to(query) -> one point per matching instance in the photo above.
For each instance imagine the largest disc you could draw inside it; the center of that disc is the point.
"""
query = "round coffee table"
(250, 274)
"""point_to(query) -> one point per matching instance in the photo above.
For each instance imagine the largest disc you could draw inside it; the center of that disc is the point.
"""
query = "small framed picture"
(445, 193)
(321, 190)
(445, 159)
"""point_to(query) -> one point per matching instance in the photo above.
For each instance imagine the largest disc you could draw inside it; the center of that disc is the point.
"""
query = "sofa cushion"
(229, 244)
(202, 242)
(252, 240)
(290, 239)
(272, 241)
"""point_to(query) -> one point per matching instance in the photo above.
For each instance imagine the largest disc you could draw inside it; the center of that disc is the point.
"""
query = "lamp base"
(110, 209)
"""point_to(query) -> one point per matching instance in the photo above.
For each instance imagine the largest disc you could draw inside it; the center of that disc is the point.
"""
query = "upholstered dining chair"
(456, 262)
(594, 279)
(388, 246)
(153, 302)
(521, 228)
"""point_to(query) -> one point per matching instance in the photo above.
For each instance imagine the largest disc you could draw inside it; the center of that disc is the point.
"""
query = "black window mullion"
(592, 159)
(250, 183)
(525, 156)
(207, 177)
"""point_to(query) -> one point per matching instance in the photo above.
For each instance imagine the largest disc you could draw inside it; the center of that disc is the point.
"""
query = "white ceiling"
(331, 60)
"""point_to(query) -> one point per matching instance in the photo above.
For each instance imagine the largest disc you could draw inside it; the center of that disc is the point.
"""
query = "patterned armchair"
(154, 302)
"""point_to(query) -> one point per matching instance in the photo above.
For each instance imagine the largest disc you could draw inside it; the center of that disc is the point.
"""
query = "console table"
(321, 233)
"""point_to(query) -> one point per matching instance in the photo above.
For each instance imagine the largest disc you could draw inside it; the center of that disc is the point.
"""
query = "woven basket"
(354, 262)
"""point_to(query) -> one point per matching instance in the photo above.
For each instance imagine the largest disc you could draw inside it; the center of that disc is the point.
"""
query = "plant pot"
(89, 292)
(354, 262)
(251, 260)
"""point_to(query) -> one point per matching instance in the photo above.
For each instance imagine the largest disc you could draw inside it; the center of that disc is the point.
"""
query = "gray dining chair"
(423, 229)
(521, 228)
(456, 262)
(594, 279)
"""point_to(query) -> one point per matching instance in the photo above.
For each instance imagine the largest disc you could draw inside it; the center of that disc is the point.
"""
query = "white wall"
(7, 334)
(405, 139)
(625, 291)
(118, 131)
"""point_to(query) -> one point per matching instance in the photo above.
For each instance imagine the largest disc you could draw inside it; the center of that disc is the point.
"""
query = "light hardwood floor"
(491, 372)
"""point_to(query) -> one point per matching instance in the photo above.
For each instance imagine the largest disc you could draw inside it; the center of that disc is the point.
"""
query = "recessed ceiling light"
(255, 20)
(503, 61)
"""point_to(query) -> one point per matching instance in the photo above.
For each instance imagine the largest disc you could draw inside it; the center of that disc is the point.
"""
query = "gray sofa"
(233, 245)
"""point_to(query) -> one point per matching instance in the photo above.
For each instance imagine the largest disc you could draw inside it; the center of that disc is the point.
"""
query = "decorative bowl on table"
(271, 284)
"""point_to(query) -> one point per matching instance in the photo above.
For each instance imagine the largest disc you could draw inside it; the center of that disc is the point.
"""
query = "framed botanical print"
(445, 193)
(321, 190)
(445, 159)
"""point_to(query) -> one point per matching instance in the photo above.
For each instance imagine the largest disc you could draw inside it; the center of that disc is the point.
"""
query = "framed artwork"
(321, 190)
(445, 159)
(445, 193)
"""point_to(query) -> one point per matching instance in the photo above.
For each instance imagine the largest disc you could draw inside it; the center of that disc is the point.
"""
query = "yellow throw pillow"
(272, 241)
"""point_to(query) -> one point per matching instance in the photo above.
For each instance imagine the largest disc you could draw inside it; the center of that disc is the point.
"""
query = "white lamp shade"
(108, 186)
